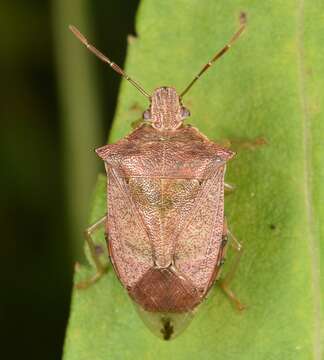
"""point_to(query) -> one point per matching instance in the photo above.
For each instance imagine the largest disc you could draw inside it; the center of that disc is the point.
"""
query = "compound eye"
(147, 115)
(185, 112)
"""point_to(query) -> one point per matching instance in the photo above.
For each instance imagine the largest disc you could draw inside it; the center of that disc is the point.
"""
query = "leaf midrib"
(307, 144)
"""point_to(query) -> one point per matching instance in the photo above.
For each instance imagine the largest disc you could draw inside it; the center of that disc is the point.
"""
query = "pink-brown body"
(165, 210)
(165, 227)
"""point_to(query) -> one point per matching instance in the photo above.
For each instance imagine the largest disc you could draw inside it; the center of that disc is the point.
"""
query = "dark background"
(37, 245)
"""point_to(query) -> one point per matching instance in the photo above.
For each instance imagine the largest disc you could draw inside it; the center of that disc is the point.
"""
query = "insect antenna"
(105, 59)
(219, 53)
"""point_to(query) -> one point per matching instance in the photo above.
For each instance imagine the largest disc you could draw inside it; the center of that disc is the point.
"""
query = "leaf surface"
(270, 85)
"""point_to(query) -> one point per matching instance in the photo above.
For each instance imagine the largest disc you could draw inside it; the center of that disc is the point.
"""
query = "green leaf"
(270, 84)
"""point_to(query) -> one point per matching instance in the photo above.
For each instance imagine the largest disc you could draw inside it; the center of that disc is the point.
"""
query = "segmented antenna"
(104, 58)
(219, 53)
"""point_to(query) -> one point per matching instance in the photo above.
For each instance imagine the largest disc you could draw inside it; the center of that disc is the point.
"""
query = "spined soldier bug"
(165, 226)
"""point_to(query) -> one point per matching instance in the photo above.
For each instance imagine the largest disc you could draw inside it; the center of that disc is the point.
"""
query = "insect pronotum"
(165, 226)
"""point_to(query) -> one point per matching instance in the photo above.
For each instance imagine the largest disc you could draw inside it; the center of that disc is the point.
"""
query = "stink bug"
(165, 226)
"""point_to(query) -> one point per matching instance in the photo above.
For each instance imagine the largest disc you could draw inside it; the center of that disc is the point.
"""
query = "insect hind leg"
(226, 281)
(100, 268)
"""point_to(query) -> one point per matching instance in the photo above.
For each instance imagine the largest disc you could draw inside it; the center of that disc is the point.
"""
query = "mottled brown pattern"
(165, 291)
(165, 205)
(129, 245)
(166, 109)
(147, 152)
(165, 209)
(198, 245)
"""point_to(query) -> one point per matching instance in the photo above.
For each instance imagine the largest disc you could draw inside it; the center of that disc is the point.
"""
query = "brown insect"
(165, 227)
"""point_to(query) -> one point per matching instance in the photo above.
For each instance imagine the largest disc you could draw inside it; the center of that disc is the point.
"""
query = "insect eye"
(185, 112)
(147, 115)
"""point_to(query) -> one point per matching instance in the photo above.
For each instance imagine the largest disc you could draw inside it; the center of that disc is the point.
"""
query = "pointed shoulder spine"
(104, 151)
(224, 153)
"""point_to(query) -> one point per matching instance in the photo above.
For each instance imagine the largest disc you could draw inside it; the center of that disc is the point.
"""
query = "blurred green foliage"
(38, 216)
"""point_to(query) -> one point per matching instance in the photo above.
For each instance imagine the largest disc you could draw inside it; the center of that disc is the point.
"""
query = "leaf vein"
(307, 144)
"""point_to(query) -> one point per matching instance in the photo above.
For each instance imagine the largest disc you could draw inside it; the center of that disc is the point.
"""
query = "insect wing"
(129, 245)
(198, 246)
(165, 325)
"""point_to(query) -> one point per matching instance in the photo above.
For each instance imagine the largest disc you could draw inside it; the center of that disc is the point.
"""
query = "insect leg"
(225, 282)
(228, 188)
(244, 144)
(100, 268)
